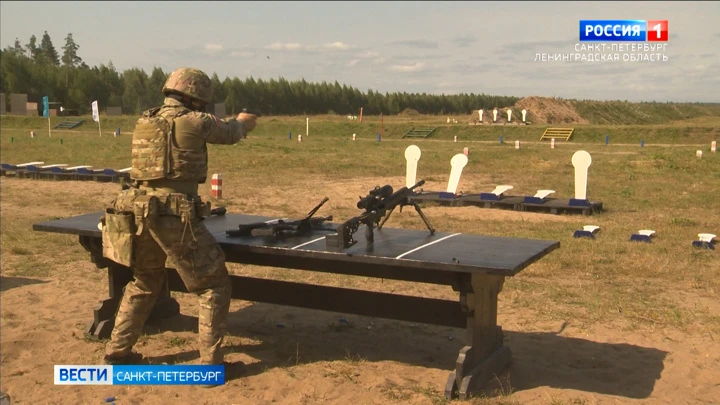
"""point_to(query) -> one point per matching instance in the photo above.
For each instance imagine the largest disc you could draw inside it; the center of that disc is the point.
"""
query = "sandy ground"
(315, 358)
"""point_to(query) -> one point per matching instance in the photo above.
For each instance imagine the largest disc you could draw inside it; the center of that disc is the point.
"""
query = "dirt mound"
(544, 110)
(410, 112)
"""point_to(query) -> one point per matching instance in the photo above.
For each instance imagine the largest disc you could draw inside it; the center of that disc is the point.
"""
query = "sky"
(413, 47)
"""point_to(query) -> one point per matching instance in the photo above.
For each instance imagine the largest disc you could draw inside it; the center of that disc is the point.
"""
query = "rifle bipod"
(419, 211)
(378, 205)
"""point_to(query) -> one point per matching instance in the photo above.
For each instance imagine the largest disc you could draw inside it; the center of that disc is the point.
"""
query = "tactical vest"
(155, 154)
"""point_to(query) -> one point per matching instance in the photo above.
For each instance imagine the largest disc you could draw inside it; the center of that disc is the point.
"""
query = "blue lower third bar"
(140, 375)
(613, 30)
(168, 375)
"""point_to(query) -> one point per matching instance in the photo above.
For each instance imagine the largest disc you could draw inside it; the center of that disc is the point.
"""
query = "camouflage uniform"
(171, 233)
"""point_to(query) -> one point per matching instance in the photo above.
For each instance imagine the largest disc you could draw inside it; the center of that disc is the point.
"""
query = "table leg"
(118, 276)
(485, 356)
(104, 313)
(166, 306)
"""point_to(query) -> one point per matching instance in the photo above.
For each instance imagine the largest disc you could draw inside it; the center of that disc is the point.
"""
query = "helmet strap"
(196, 105)
(188, 102)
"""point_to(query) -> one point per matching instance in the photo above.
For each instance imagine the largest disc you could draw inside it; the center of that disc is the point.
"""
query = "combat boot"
(124, 359)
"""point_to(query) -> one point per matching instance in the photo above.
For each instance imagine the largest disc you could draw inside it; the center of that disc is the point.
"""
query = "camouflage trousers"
(193, 251)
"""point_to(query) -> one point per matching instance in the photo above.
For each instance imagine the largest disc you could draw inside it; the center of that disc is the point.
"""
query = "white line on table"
(426, 245)
(307, 243)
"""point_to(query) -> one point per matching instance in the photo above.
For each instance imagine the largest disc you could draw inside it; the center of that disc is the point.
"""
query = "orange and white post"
(216, 186)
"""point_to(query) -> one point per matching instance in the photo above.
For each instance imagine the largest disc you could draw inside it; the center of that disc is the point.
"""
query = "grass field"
(608, 289)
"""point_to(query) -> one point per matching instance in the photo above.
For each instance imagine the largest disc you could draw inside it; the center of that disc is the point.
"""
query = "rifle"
(281, 228)
(379, 204)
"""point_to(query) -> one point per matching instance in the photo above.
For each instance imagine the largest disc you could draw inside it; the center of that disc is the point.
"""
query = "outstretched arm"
(214, 130)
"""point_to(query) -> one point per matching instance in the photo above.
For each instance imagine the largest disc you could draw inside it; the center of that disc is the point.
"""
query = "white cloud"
(278, 46)
(353, 62)
(338, 45)
(408, 68)
(213, 47)
(329, 47)
(242, 54)
(378, 61)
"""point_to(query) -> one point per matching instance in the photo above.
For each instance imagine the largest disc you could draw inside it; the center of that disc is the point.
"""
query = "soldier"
(169, 160)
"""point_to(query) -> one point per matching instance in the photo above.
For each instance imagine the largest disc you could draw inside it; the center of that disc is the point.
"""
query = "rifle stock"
(280, 227)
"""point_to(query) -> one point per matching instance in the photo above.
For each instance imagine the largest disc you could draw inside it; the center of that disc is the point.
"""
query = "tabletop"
(399, 248)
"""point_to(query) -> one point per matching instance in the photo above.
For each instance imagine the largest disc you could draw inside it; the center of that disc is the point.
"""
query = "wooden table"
(473, 265)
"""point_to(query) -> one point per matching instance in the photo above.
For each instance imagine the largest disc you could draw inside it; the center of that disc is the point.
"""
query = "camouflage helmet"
(190, 82)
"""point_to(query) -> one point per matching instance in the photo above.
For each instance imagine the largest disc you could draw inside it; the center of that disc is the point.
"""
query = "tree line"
(39, 70)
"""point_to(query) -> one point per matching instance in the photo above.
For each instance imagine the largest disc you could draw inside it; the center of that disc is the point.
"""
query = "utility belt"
(145, 204)
(134, 208)
(168, 186)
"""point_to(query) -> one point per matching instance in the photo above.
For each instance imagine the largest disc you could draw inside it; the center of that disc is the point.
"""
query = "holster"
(118, 235)
(129, 213)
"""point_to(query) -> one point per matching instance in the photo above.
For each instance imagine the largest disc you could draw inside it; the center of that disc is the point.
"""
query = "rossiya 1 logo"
(624, 30)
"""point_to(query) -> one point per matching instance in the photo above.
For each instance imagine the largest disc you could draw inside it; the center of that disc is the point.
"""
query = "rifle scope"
(378, 193)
